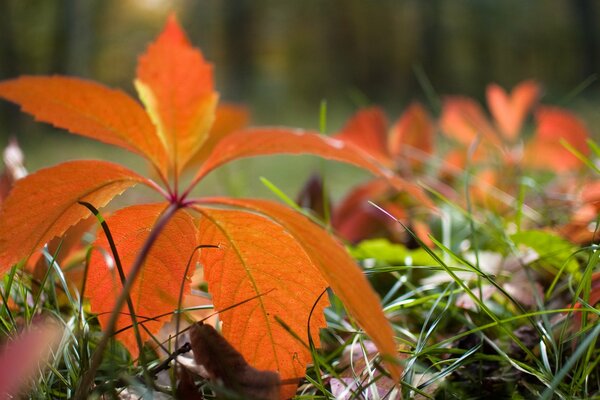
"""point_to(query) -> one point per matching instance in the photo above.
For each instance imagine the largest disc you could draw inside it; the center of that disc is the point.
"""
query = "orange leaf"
(44, 204)
(337, 267)
(228, 119)
(156, 290)
(510, 112)
(88, 109)
(274, 266)
(367, 129)
(463, 120)
(176, 85)
(545, 150)
(412, 133)
(265, 141)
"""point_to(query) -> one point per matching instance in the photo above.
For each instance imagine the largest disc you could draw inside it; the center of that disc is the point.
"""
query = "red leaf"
(510, 112)
(352, 218)
(412, 133)
(44, 204)
(176, 85)
(545, 150)
(337, 267)
(367, 129)
(156, 290)
(89, 109)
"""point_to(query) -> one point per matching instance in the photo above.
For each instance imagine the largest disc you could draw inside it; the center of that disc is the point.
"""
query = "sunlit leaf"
(337, 267)
(156, 290)
(89, 109)
(44, 204)
(176, 85)
(275, 266)
(266, 141)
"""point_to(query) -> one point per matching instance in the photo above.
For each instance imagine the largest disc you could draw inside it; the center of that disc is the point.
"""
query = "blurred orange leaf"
(510, 111)
(545, 150)
(463, 120)
(367, 129)
(412, 133)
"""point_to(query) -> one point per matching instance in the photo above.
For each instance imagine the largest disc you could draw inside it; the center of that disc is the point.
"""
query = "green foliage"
(382, 251)
(555, 253)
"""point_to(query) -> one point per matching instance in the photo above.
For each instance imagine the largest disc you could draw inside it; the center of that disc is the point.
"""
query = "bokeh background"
(282, 58)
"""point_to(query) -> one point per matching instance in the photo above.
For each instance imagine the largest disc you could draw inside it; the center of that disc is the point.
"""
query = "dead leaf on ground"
(225, 365)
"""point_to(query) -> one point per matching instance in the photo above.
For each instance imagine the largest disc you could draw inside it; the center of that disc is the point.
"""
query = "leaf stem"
(160, 224)
(119, 265)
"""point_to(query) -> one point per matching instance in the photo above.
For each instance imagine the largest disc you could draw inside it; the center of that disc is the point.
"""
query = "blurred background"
(282, 58)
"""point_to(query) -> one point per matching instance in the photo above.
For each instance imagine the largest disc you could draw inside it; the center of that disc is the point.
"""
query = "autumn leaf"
(545, 150)
(412, 133)
(265, 249)
(510, 111)
(265, 141)
(155, 292)
(405, 146)
(226, 365)
(354, 218)
(463, 120)
(44, 204)
(176, 85)
(89, 109)
(367, 129)
(248, 264)
(337, 268)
